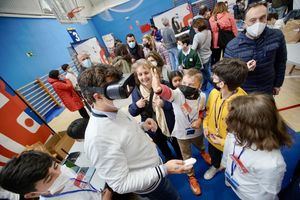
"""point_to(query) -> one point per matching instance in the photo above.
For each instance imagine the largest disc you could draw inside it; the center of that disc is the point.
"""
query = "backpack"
(224, 36)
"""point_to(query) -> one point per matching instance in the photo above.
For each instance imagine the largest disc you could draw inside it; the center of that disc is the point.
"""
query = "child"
(175, 78)
(254, 164)
(35, 174)
(187, 102)
(77, 128)
(149, 105)
(228, 76)
(187, 57)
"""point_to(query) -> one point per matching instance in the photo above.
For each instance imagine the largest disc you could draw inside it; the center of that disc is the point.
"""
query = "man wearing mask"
(135, 50)
(36, 174)
(84, 62)
(263, 49)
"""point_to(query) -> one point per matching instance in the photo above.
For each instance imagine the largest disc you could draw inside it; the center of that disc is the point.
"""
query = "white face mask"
(87, 63)
(120, 103)
(64, 177)
(131, 44)
(179, 47)
(256, 29)
(154, 63)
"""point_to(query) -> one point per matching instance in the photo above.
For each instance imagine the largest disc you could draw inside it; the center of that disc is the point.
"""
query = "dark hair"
(21, 173)
(233, 72)
(97, 76)
(200, 24)
(254, 5)
(254, 119)
(173, 74)
(77, 128)
(64, 67)
(272, 15)
(153, 26)
(185, 39)
(157, 57)
(54, 74)
(203, 9)
(130, 35)
(121, 50)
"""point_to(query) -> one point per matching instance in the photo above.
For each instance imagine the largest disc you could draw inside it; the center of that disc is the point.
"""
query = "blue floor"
(216, 189)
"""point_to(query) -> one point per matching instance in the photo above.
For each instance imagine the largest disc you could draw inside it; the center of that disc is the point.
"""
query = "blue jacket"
(135, 111)
(269, 51)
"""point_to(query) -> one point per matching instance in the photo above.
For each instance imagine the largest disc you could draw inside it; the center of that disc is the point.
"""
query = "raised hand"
(155, 81)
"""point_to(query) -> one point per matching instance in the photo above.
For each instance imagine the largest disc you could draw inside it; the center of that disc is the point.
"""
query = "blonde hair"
(220, 7)
(194, 73)
(150, 39)
(142, 63)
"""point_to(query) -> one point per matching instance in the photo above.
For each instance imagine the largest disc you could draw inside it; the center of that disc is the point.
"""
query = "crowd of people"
(238, 118)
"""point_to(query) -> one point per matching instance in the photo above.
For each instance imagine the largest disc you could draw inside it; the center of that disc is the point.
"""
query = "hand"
(150, 124)
(196, 124)
(177, 167)
(155, 81)
(133, 60)
(205, 132)
(159, 102)
(215, 139)
(141, 103)
(251, 64)
(276, 90)
(106, 194)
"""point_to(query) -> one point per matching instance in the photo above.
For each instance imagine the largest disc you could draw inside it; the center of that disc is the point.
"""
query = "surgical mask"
(256, 29)
(154, 63)
(179, 47)
(120, 103)
(64, 177)
(86, 63)
(189, 92)
(131, 44)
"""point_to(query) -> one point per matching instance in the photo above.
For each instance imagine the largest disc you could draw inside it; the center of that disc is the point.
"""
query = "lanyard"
(93, 189)
(217, 117)
(233, 164)
(98, 115)
(197, 112)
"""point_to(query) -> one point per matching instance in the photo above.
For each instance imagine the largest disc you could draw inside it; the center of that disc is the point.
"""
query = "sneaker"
(195, 187)
(210, 173)
(206, 157)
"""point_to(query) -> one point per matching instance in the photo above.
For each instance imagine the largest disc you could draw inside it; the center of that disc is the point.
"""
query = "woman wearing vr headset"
(149, 105)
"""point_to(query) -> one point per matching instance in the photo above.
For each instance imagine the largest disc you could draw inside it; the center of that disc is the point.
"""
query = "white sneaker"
(210, 173)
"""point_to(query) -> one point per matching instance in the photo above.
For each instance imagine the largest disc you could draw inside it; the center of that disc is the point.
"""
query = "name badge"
(190, 131)
(191, 59)
(186, 108)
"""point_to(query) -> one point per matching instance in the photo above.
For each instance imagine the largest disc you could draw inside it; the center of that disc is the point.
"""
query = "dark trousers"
(215, 56)
(161, 141)
(176, 147)
(216, 155)
(83, 113)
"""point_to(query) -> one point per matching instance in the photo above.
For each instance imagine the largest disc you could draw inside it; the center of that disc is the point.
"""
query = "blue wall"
(120, 26)
(46, 38)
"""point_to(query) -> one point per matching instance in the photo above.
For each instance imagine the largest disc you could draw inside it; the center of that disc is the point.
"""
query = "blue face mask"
(86, 63)
(131, 45)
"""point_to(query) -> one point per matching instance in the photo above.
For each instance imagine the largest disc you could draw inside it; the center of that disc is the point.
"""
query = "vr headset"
(117, 90)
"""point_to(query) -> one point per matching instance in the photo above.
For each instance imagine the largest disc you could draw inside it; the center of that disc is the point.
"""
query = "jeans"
(206, 75)
(165, 190)
(173, 54)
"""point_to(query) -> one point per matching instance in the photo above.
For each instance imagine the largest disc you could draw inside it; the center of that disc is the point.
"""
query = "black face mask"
(215, 86)
(147, 45)
(189, 92)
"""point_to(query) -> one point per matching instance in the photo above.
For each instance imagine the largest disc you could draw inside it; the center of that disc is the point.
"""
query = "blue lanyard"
(75, 191)
(233, 165)
(98, 115)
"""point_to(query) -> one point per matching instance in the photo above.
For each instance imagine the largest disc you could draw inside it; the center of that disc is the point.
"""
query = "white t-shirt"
(182, 120)
(266, 171)
(72, 78)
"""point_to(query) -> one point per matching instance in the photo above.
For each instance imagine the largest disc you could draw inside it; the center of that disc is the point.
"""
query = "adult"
(280, 7)
(155, 33)
(84, 61)
(64, 89)
(122, 153)
(151, 45)
(222, 19)
(170, 42)
(264, 49)
(156, 60)
(201, 44)
(135, 50)
(70, 75)
(122, 59)
(204, 13)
